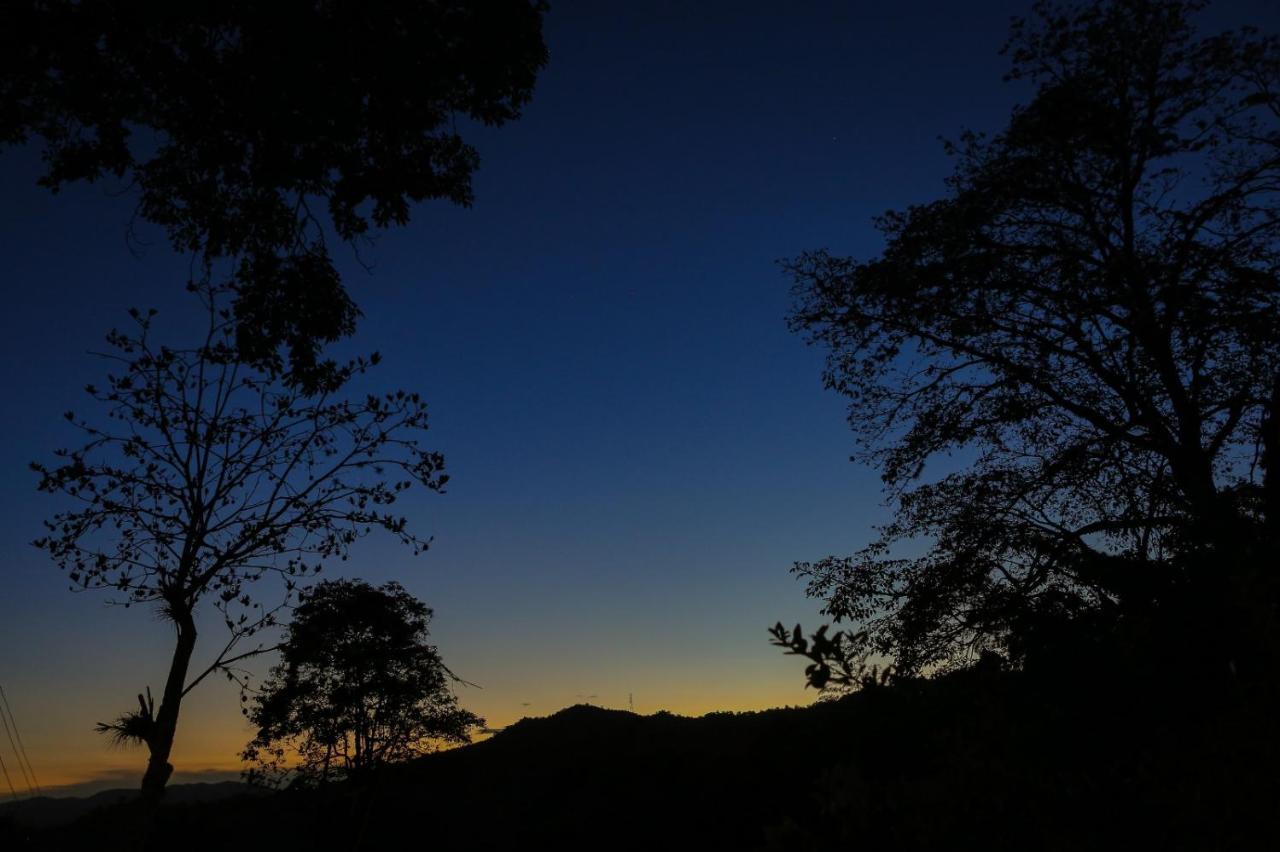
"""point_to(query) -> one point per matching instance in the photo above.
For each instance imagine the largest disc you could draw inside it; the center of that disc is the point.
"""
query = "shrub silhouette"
(357, 687)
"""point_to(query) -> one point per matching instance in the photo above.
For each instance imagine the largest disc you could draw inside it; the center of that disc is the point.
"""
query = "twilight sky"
(638, 448)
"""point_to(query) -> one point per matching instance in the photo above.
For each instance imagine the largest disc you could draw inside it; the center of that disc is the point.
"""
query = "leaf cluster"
(837, 663)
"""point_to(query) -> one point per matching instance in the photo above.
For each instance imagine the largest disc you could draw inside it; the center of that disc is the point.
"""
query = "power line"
(5, 722)
(21, 745)
(7, 779)
(19, 750)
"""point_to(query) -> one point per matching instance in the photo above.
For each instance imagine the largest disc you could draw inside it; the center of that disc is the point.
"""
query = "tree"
(208, 476)
(242, 124)
(357, 687)
(1090, 320)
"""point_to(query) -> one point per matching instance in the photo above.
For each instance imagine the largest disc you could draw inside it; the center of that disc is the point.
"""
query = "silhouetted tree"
(1090, 320)
(208, 475)
(357, 687)
(250, 130)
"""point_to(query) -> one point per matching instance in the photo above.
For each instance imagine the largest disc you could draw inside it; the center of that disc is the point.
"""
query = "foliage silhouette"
(837, 662)
(208, 476)
(250, 130)
(1091, 319)
(357, 687)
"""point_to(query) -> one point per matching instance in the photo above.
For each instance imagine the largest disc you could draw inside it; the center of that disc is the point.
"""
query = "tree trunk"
(166, 723)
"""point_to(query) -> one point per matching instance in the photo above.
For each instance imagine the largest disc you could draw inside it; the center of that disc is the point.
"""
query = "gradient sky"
(638, 448)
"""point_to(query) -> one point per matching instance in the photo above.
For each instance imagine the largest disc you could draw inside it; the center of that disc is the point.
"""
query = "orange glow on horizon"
(217, 753)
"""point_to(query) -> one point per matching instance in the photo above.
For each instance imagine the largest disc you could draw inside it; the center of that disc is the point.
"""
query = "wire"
(7, 779)
(5, 723)
(18, 751)
(22, 747)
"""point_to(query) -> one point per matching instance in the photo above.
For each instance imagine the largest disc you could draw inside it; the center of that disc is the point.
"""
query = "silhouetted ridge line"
(1100, 750)
(47, 811)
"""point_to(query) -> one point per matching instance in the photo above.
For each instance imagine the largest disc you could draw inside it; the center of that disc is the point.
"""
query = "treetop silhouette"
(1091, 318)
(251, 130)
(357, 687)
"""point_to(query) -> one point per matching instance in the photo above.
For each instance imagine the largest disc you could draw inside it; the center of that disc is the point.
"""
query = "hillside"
(984, 759)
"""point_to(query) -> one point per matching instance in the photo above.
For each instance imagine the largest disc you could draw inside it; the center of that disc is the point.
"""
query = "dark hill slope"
(588, 776)
(980, 759)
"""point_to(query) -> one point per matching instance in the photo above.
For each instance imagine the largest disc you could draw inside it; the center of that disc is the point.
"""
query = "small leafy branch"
(835, 664)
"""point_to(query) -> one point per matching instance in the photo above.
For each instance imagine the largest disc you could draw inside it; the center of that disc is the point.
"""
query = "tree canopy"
(357, 686)
(252, 130)
(202, 476)
(1090, 320)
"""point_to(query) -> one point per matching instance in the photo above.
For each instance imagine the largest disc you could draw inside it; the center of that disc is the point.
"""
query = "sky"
(638, 448)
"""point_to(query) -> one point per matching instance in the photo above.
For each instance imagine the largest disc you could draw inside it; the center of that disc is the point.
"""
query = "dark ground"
(1085, 756)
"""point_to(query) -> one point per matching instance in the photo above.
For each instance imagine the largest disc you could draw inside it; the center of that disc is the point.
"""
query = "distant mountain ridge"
(44, 811)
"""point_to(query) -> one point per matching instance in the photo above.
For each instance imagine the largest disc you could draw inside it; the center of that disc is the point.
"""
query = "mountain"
(43, 811)
(1073, 758)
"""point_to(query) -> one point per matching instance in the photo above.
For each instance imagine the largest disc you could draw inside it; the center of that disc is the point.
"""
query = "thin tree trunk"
(166, 723)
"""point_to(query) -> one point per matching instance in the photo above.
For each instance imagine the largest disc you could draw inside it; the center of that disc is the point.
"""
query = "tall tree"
(202, 477)
(357, 686)
(251, 129)
(1090, 318)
